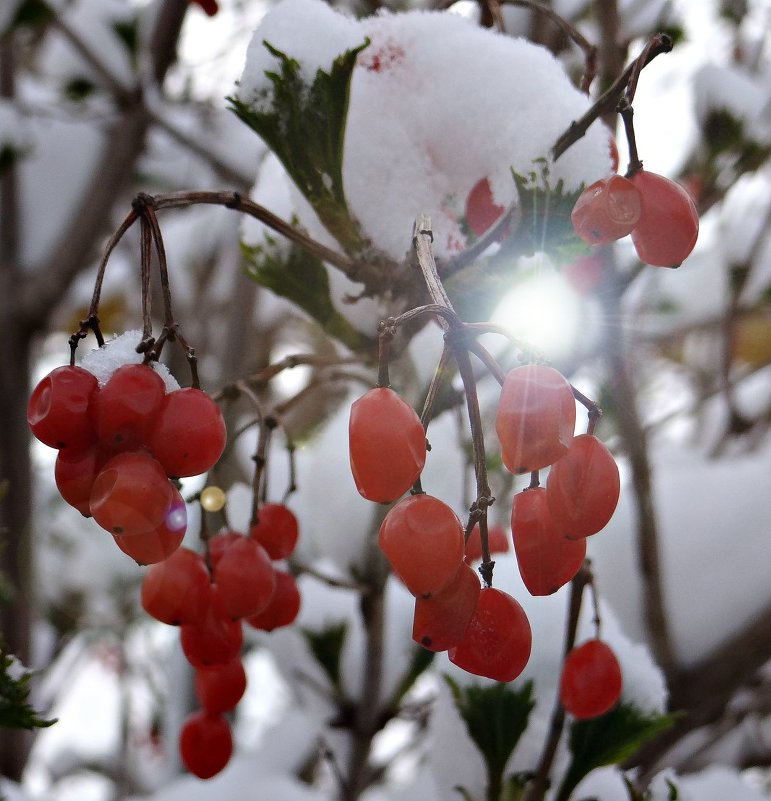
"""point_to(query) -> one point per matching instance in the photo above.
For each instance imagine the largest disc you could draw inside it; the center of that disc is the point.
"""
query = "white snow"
(424, 125)
(120, 350)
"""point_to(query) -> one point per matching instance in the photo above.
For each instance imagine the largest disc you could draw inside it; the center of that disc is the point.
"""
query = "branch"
(607, 102)
(703, 691)
(40, 293)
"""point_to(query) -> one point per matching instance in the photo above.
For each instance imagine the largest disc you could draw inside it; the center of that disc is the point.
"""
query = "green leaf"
(327, 646)
(31, 13)
(496, 717)
(608, 740)
(301, 278)
(420, 662)
(304, 125)
(545, 215)
(15, 711)
(79, 89)
(128, 32)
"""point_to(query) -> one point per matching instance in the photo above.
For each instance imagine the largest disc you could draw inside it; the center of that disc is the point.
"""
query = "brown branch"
(122, 144)
(607, 102)
(537, 787)
(636, 446)
(703, 691)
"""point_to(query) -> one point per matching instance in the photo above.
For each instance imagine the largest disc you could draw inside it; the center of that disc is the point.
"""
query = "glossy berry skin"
(131, 494)
(210, 7)
(423, 540)
(607, 210)
(591, 680)
(205, 743)
(219, 689)
(669, 223)
(213, 640)
(547, 559)
(276, 530)
(482, 212)
(498, 639)
(387, 445)
(497, 542)
(440, 622)
(536, 417)
(125, 408)
(154, 546)
(189, 435)
(75, 471)
(283, 608)
(583, 488)
(58, 409)
(176, 591)
(245, 577)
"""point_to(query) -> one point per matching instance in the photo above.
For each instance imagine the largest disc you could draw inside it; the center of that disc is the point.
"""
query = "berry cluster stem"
(456, 341)
(536, 789)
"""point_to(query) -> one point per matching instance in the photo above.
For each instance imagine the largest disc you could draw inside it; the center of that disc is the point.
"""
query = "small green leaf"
(304, 125)
(15, 711)
(607, 740)
(31, 13)
(327, 646)
(128, 32)
(496, 717)
(301, 278)
(79, 89)
(421, 660)
(545, 223)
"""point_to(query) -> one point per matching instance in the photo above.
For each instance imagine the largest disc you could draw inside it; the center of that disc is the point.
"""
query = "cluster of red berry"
(658, 213)
(120, 444)
(484, 629)
(209, 598)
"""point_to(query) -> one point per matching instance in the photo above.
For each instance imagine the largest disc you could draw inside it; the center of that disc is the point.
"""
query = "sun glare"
(545, 312)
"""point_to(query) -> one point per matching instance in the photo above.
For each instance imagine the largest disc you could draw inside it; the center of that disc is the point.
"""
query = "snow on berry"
(436, 104)
(104, 361)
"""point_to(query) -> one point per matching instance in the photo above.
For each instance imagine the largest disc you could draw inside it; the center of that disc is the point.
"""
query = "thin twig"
(536, 789)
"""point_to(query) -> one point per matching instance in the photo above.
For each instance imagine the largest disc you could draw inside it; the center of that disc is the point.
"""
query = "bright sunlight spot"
(545, 312)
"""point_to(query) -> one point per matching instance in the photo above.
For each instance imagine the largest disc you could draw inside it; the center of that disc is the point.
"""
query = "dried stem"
(608, 101)
(536, 789)
(572, 33)
(457, 340)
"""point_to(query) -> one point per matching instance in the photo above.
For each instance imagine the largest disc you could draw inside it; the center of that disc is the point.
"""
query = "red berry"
(583, 488)
(131, 494)
(498, 639)
(219, 689)
(440, 622)
(219, 543)
(584, 274)
(189, 435)
(497, 542)
(591, 680)
(176, 591)
(276, 530)
(536, 417)
(423, 540)
(58, 409)
(151, 547)
(387, 445)
(607, 210)
(125, 409)
(245, 577)
(75, 472)
(481, 209)
(205, 743)
(213, 640)
(547, 559)
(283, 608)
(669, 222)
(210, 7)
